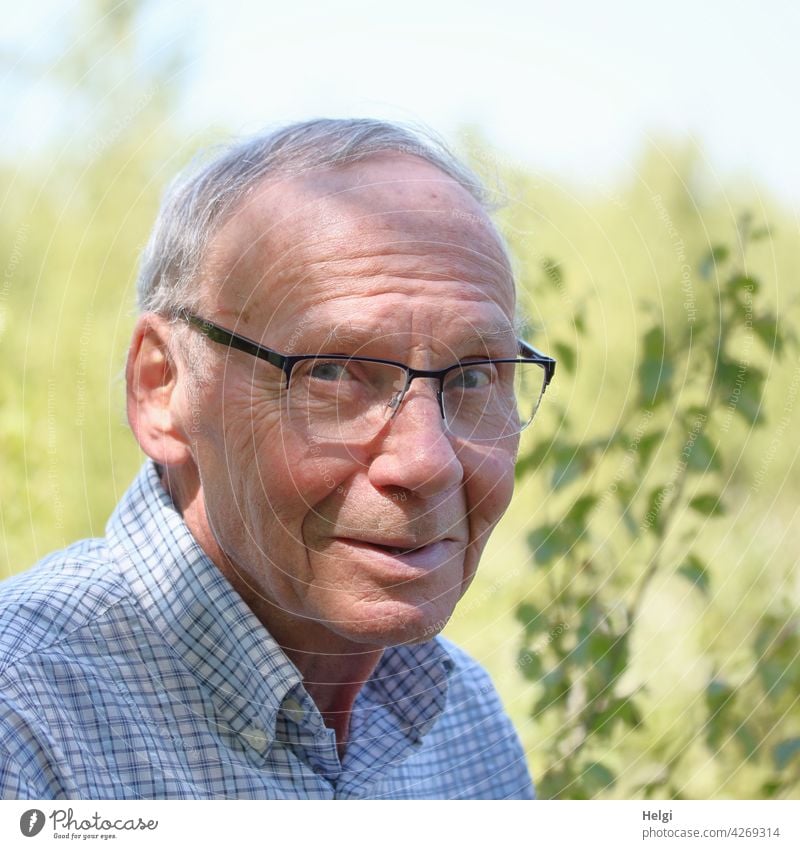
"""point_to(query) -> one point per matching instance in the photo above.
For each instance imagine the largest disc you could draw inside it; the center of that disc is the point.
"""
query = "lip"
(410, 556)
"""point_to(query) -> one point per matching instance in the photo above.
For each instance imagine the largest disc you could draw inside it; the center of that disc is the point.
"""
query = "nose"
(414, 451)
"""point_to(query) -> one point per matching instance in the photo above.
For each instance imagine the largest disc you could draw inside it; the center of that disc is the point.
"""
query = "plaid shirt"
(130, 668)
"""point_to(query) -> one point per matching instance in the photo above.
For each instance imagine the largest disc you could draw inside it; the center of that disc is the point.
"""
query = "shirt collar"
(205, 621)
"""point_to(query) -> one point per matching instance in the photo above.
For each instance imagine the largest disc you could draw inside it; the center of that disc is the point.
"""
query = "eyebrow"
(355, 334)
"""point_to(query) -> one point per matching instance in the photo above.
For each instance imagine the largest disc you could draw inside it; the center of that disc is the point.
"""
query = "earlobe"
(154, 388)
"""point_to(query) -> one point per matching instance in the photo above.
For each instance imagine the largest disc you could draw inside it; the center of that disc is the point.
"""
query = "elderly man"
(327, 381)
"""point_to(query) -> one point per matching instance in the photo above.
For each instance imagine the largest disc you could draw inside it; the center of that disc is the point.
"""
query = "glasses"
(345, 399)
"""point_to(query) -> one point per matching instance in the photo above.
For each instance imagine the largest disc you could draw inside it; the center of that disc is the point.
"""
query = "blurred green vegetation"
(628, 284)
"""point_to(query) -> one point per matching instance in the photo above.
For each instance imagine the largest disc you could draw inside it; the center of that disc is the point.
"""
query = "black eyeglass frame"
(287, 362)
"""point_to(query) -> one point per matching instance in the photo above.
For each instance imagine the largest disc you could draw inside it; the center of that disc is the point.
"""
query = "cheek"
(489, 486)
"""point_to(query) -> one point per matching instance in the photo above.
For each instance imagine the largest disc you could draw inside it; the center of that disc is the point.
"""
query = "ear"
(154, 393)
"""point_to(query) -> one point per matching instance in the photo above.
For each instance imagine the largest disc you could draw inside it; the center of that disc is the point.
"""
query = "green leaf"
(557, 783)
(596, 778)
(747, 740)
(702, 456)
(552, 269)
(719, 695)
(716, 256)
(533, 459)
(696, 571)
(760, 233)
(570, 463)
(708, 505)
(647, 445)
(655, 369)
(741, 384)
(530, 664)
(530, 617)
(768, 331)
(720, 699)
(578, 513)
(547, 543)
(655, 504)
(739, 283)
(785, 751)
(565, 356)
(619, 710)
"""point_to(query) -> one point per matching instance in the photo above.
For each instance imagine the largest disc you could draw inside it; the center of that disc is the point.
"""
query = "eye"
(330, 370)
(470, 377)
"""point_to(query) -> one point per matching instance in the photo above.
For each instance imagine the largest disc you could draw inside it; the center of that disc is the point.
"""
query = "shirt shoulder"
(59, 595)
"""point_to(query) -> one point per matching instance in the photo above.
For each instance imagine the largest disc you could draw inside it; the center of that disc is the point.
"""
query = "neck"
(334, 669)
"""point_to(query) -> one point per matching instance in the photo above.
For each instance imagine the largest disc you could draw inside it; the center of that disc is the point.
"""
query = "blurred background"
(638, 606)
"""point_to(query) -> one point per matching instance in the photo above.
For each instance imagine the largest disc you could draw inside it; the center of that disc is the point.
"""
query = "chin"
(394, 623)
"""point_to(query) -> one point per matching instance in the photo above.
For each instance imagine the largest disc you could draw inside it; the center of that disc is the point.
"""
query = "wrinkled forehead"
(363, 227)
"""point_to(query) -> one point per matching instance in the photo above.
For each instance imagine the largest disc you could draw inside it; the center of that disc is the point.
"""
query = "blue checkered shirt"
(130, 668)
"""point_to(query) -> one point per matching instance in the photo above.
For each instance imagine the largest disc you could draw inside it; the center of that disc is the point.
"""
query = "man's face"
(388, 259)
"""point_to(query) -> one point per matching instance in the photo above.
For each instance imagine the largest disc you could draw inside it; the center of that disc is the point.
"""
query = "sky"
(571, 89)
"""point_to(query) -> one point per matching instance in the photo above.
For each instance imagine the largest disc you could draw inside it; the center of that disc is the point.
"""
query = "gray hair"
(198, 202)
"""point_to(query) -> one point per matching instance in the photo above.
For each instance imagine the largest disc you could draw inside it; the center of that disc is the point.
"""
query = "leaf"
(565, 356)
(738, 283)
(655, 369)
(783, 753)
(533, 459)
(530, 618)
(708, 505)
(647, 445)
(597, 777)
(556, 784)
(552, 269)
(702, 456)
(622, 710)
(547, 543)
(768, 331)
(719, 700)
(530, 664)
(570, 462)
(739, 384)
(578, 513)
(747, 740)
(696, 571)
(655, 504)
(556, 686)
(760, 233)
(716, 256)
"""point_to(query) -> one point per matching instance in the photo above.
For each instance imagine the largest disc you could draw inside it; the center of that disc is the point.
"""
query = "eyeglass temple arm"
(530, 353)
(219, 334)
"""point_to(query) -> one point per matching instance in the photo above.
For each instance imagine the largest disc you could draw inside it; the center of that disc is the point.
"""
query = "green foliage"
(659, 475)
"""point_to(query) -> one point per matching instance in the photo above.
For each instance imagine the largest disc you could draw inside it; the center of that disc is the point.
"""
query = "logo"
(31, 822)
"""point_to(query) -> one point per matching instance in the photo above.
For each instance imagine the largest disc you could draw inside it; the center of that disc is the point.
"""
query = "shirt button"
(293, 710)
(256, 739)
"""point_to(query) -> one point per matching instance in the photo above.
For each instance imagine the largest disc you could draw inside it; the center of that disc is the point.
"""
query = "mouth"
(418, 555)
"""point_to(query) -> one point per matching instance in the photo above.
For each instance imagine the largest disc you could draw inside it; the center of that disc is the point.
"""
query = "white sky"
(571, 88)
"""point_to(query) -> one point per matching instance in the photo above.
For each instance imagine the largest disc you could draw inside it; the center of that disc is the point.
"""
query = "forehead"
(391, 236)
